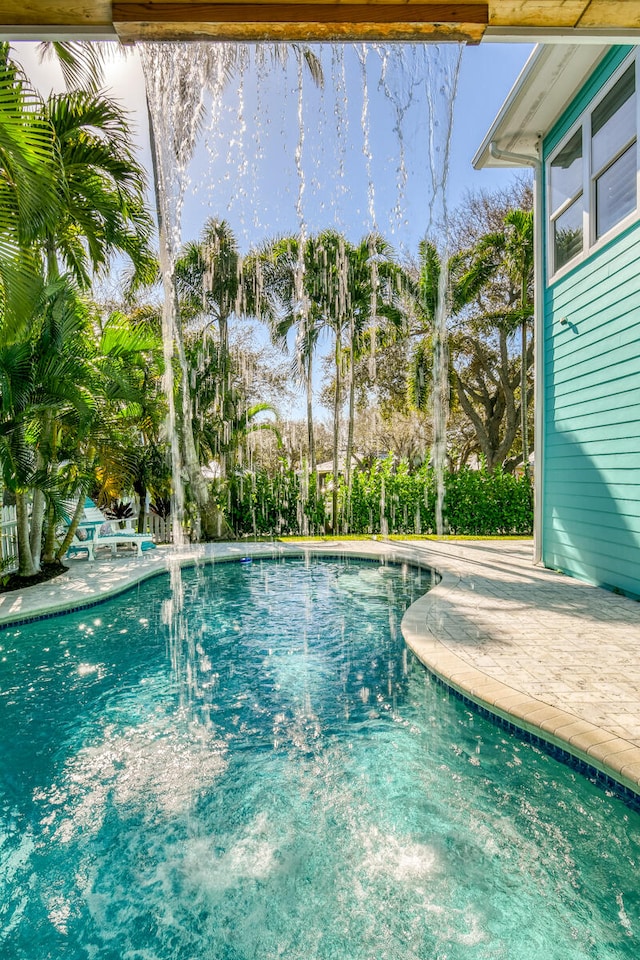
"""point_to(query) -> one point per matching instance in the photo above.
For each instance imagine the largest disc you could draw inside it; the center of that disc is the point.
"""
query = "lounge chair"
(96, 531)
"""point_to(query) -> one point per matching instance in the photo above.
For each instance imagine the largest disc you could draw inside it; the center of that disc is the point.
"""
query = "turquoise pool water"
(285, 781)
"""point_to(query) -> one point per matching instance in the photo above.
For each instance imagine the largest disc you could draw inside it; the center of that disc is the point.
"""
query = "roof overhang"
(471, 21)
(551, 77)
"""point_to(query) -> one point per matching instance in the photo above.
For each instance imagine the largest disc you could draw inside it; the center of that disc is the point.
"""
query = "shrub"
(388, 498)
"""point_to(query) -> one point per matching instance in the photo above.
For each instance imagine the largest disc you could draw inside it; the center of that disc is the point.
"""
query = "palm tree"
(82, 64)
(376, 285)
(212, 286)
(337, 287)
(45, 383)
(28, 197)
(88, 205)
(519, 261)
(220, 431)
(101, 191)
(279, 271)
(145, 446)
(104, 448)
(101, 211)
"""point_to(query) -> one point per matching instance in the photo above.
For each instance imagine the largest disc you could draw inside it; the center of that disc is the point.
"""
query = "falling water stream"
(188, 83)
(188, 87)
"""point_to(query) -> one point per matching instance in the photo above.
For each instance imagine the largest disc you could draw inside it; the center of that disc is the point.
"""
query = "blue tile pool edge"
(575, 761)
(528, 731)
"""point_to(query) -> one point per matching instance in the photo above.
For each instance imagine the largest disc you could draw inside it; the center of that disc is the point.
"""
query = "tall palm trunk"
(48, 551)
(352, 404)
(336, 435)
(224, 389)
(37, 521)
(349, 451)
(26, 566)
(223, 331)
(310, 431)
(214, 525)
(523, 386)
(38, 508)
(46, 446)
(73, 526)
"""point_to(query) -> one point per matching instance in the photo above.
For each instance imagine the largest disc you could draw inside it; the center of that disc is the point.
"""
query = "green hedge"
(390, 499)
(387, 499)
(264, 504)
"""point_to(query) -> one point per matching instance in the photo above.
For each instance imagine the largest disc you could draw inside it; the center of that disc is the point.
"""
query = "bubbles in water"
(161, 764)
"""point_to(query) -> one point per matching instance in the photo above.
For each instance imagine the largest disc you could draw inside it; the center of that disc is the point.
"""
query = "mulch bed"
(15, 582)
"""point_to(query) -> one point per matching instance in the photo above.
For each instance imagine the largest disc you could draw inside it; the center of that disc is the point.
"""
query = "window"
(592, 176)
(613, 153)
(566, 200)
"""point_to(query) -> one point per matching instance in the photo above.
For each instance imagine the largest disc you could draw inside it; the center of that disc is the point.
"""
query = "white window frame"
(590, 244)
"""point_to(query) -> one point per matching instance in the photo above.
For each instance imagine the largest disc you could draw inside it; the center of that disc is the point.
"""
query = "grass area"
(324, 538)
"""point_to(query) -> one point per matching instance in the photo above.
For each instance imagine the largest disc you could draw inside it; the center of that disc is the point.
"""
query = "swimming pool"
(283, 779)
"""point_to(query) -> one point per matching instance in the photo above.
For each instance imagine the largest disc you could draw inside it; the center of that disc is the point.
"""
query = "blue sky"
(259, 198)
(262, 201)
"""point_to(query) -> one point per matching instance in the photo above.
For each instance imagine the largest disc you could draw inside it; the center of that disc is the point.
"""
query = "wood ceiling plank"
(611, 13)
(548, 14)
(299, 31)
(76, 13)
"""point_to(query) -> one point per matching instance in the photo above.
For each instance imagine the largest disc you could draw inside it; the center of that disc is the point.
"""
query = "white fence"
(9, 537)
(159, 529)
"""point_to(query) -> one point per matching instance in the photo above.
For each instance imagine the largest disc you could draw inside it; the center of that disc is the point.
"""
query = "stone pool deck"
(554, 656)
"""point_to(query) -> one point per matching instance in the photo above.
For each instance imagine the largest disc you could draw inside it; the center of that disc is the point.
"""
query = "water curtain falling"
(441, 81)
(320, 130)
(174, 75)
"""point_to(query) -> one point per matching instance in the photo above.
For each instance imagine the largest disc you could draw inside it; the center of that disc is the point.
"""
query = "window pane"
(616, 192)
(567, 234)
(613, 122)
(566, 171)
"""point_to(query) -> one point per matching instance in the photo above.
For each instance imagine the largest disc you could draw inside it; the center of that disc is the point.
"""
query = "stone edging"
(600, 750)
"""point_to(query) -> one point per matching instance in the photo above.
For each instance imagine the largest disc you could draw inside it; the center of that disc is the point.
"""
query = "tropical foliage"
(327, 285)
(71, 197)
(82, 404)
(386, 499)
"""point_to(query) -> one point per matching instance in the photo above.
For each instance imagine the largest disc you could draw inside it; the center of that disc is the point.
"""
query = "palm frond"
(82, 64)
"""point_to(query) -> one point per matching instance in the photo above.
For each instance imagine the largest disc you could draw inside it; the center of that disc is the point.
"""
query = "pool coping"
(615, 759)
(611, 757)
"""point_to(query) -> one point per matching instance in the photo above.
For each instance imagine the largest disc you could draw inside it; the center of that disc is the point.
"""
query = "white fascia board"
(548, 82)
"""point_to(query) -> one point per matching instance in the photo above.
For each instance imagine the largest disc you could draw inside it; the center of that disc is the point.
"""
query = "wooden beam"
(610, 13)
(64, 13)
(300, 20)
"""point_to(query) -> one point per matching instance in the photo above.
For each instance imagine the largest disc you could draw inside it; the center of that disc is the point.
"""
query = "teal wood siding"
(591, 484)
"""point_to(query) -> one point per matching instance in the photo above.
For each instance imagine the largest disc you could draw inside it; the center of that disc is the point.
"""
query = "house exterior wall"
(591, 395)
